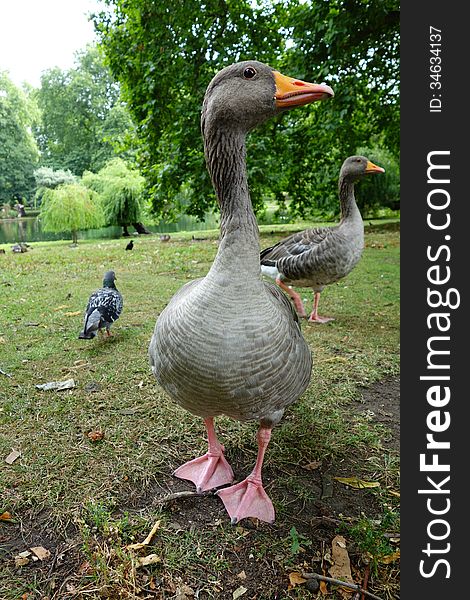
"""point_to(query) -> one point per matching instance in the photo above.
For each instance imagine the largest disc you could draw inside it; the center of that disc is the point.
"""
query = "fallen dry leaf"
(147, 540)
(341, 567)
(241, 575)
(312, 465)
(386, 560)
(95, 435)
(21, 562)
(14, 454)
(74, 313)
(239, 592)
(394, 493)
(61, 307)
(359, 484)
(184, 591)
(323, 588)
(6, 516)
(150, 559)
(295, 578)
(41, 552)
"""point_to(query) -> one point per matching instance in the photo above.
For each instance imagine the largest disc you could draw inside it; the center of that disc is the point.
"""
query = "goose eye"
(249, 73)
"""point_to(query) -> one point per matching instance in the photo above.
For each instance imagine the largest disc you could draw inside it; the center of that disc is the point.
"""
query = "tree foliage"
(121, 191)
(164, 55)
(83, 120)
(18, 151)
(47, 178)
(354, 45)
(71, 207)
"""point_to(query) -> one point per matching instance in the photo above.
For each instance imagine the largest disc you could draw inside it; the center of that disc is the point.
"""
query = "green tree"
(354, 44)
(165, 55)
(377, 192)
(121, 191)
(18, 150)
(46, 178)
(71, 208)
(83, 120)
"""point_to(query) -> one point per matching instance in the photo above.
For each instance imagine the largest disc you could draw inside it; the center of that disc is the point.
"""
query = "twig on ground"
(2, 372)
(351, 586)
(177, 496)
(365, 581)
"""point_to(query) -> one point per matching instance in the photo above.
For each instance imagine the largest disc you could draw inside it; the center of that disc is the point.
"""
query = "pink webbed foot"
(211, 470)
(314, 318)
(207, 472)
(247, 499)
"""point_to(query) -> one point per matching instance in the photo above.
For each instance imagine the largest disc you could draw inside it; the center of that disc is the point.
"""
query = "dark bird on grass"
(103, 308)
(230, 343)
(130, 245)
(317, 257)
(21, 247)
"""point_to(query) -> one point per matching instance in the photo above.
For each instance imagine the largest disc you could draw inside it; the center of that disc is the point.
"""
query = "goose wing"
(295, 245)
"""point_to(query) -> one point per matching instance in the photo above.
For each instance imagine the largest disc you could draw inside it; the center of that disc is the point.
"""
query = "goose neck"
(226, 162)
(349, 209)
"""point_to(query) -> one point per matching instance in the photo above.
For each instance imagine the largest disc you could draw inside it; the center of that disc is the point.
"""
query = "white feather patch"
(270, 271)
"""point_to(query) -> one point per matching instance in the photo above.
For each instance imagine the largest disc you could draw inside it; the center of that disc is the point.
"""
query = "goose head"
(247, 93)
(356, 167)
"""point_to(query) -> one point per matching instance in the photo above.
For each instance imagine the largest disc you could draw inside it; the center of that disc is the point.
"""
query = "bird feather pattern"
(103, 308)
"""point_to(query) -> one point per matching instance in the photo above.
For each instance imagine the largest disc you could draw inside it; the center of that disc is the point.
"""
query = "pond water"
(29, 229)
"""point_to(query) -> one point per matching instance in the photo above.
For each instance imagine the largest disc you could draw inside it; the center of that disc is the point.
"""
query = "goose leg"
(315, 317)
(211, 470)
(248, 498)
(299, 305)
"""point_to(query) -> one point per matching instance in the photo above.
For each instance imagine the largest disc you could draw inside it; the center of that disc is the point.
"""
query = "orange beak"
(292, 92)
(371, 168)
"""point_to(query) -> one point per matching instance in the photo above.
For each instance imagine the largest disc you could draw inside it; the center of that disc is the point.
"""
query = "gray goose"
(228, 345)
(320, 256)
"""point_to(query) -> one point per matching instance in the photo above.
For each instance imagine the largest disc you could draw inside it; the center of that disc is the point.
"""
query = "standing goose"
(231, 345)
(317, 257)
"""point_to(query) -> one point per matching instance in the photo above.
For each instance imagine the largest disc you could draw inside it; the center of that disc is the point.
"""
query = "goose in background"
(227, 345)
(317, 257)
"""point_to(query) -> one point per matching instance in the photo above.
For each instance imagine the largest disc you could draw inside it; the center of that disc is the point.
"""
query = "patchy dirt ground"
(243, 562)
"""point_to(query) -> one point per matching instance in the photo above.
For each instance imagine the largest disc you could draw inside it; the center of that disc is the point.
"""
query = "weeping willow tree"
(121, 191)
(70, 208)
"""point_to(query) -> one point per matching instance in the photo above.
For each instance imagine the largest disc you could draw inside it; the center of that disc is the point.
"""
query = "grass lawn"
(86, 499)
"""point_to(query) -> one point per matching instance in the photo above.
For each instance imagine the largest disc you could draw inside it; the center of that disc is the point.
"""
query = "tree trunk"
(125, 231)
(140, 228)
(74, 238)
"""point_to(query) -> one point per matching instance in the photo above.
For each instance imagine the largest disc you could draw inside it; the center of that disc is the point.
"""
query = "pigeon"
(130, 245)
(165, 237)
(21, 247)
(103, 308)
